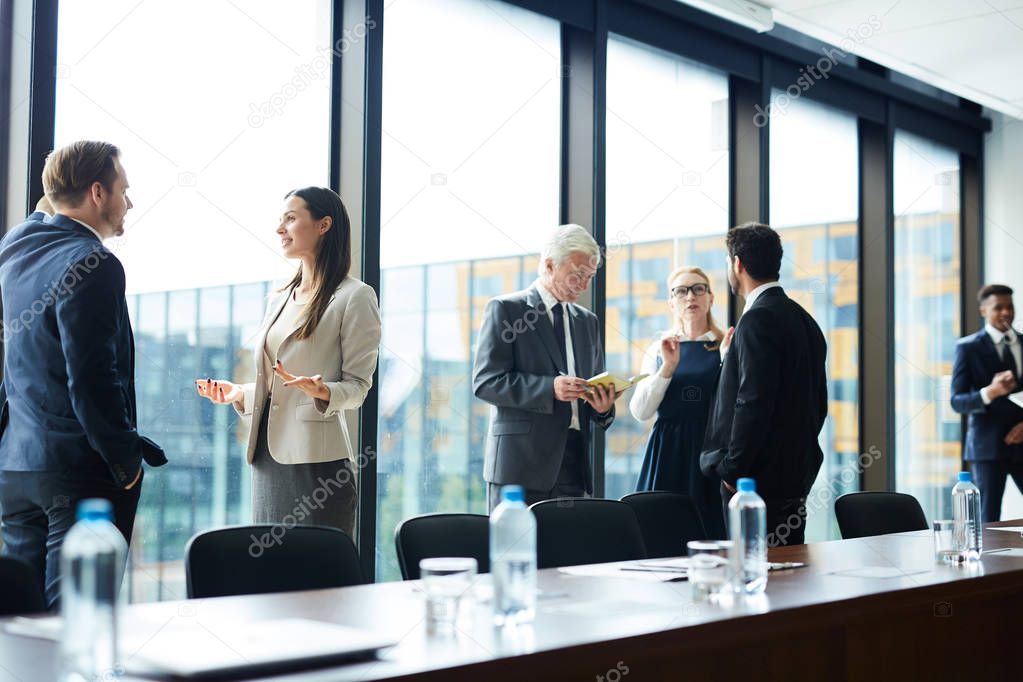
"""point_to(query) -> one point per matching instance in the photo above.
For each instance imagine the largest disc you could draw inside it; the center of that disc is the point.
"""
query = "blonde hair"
(70, 171)
(676, 322)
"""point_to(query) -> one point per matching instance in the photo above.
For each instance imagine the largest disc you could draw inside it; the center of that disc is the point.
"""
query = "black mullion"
(43, 100)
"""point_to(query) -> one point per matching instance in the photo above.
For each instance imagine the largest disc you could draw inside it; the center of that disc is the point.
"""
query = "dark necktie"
(1008, 361)
(559, 333)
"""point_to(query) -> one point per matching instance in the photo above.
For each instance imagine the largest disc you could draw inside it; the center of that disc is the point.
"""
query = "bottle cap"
(965, 477)
(95, 509)
(513, 493)
(746, 485)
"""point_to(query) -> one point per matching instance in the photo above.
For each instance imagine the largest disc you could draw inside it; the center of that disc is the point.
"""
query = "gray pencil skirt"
(322, 494)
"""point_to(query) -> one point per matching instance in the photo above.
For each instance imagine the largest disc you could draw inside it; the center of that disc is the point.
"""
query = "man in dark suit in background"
(772, 396)
(535, 351)
(67, 402)
(986, 370)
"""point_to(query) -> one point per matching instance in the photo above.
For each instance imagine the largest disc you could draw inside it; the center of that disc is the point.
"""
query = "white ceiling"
(972, 48)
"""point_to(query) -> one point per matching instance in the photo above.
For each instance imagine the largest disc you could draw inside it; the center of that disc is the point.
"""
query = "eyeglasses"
(697, 289)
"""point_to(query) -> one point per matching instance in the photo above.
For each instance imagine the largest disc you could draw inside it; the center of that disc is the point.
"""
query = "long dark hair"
(333, 254)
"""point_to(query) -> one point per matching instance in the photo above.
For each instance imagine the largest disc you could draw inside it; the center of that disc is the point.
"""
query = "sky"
(217, 125)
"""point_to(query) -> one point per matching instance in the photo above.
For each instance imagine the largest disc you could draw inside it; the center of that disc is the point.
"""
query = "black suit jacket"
(975, 364)
(771, 401)
(68, 394)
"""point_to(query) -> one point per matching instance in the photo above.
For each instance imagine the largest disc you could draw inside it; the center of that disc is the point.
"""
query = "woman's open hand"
(219, 391)
(312, 386)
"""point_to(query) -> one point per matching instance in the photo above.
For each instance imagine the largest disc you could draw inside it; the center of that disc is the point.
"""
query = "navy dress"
(672, 460)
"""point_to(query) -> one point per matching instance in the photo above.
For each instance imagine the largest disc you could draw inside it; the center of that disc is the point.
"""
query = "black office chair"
(582, 530)
(20, 591)
(263, 558)
(668, 521)
(876, 513)
(442, 535)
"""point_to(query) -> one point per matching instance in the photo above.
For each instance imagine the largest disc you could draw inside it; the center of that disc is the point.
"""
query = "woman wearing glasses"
(683, 366)
(315, 355)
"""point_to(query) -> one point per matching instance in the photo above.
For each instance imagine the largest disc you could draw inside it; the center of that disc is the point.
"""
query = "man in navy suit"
(67, 402)
(986, 370)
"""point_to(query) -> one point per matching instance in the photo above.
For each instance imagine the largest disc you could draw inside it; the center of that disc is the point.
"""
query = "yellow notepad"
(621, 384)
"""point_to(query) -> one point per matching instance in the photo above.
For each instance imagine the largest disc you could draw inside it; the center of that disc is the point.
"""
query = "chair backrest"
(667, 520)
(20, 590)
(261, 559)
(582, 530)
(876, 513)
(442, 535)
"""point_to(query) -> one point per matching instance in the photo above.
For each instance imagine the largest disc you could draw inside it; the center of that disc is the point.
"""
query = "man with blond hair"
(535, 351)
(67, 402)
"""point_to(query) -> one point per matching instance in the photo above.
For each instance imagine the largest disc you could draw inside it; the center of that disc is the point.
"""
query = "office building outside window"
(927, 320)
(471, 146)
(667, 205)
(200, 251)
(814, 205)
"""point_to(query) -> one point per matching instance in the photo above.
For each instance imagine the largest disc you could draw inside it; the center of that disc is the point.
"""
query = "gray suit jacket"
(517, 359)
(343, 349)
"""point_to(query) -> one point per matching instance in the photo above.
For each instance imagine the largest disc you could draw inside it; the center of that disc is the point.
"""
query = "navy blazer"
(976, 363)
(67, 402)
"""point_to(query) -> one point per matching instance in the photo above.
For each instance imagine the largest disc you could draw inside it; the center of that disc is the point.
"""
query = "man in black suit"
(67, 402)
(772, 396)
(986, 370)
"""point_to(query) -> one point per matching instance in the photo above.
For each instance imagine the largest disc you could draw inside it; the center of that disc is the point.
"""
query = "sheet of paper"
(623, 571)
(1014, 552)
(877, 572)
(1017, 398)
(1010, 529)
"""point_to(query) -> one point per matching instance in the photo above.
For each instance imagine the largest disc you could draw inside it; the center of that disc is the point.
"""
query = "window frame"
(755, 63)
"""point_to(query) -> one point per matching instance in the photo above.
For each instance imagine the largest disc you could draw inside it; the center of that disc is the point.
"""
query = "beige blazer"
(343, 349)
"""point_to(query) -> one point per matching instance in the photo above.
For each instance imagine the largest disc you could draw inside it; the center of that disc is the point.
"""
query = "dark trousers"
(39, 508)
(990, 478)
(786, 519)
(571, 481)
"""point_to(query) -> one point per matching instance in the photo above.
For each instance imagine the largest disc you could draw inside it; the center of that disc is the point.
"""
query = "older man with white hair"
(536, 348)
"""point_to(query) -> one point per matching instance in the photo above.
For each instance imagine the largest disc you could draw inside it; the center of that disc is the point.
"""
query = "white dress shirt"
(648, 394)
(755, 294)
(89, 228)
(1014, 347)
(549, 301)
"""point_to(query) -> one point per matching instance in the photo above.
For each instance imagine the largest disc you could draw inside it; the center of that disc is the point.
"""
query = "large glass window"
(927, 320)
(471, 104)
(667, 206)
(213, 131)
(815, 206)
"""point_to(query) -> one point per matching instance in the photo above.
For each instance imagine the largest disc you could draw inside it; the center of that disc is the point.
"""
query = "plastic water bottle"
(513, 558)
(967, 529)
(747, 521)
(91, 565)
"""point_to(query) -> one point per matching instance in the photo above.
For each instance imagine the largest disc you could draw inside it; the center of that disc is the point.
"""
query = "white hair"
(565, 241)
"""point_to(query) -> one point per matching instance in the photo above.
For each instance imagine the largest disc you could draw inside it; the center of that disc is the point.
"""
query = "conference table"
(876, 608)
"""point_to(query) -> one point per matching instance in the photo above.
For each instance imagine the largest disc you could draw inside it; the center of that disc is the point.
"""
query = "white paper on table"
(618, 571)
(1011, 529)
(876, 572)
(1017, 398)
(1013, 552)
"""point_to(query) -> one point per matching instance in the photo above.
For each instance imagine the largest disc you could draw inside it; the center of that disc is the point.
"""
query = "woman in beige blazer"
(315, 356)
